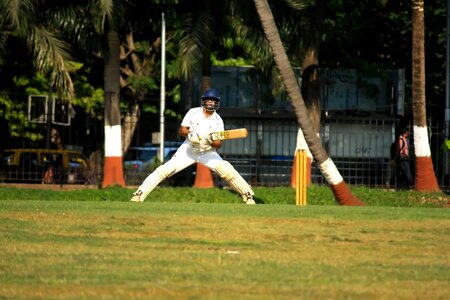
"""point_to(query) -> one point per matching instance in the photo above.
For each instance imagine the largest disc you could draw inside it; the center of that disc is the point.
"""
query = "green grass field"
(96, 245)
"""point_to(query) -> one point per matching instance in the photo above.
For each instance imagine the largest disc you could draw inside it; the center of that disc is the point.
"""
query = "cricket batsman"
(196, 127)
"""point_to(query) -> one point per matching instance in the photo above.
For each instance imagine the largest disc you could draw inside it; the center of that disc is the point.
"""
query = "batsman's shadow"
(258, 200)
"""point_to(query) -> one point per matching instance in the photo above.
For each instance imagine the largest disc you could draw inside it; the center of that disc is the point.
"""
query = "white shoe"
(248, 199)
(137, 197)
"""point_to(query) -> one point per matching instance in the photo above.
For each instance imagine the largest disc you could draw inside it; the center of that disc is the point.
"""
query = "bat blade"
(229, 134)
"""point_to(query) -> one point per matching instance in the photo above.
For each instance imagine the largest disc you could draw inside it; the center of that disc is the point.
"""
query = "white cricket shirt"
(196, 120)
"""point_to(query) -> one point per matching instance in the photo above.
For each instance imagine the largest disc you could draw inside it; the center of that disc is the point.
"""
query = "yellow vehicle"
(44, 166)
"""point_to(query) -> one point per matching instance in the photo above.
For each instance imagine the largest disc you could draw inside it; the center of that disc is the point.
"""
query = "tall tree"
(99, 27)
(139, 40)
(107, 16)
(125, 73)
(425, 176)
(325, 163)
(113, 168)
(140, 59)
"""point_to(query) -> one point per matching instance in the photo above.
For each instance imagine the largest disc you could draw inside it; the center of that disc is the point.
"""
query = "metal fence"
(359, 148)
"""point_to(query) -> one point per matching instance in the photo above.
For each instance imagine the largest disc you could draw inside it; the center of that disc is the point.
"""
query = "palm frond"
(196, 39)
(51, 57)
(72, 23)
(15, 15)
(107, 13)
(297, 5)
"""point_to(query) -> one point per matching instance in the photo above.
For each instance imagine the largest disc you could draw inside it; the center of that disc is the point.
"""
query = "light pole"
(447, 93)
(163, 88)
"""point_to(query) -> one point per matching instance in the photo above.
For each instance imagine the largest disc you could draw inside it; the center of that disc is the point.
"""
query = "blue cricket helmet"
(211, 94)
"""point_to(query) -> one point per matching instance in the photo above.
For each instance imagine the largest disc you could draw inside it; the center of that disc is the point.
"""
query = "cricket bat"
(229, 134)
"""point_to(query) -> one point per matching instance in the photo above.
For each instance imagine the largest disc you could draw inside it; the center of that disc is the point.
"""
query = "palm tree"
(108, 29)
(113, 171)
(122, 66)
(425, 176)
(300, 25)
(86, 23)
(325, 163)
(25, 20)
(105, 18)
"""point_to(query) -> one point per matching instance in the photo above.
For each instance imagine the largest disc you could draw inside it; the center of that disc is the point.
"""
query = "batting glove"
(193, 138)
(204, 147)
(207, 139)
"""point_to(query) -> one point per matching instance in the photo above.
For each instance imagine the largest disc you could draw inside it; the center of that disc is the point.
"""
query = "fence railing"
(359, 148)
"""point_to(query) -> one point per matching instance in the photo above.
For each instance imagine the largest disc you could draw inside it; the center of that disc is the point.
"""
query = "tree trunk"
(203, 175)
(113, 171)
(130, 121)
(311, 94)
(425, 177)
(326, 165)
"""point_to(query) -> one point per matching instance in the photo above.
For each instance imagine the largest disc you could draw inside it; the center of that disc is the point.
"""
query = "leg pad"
(161, 173)
(227, 172)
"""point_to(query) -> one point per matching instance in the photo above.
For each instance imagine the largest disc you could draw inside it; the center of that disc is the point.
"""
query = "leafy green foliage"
(142, 83)
(367, 35)
(446, 145)
(14, 114)
(240, 61)
(15, 107)
(90, 98)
